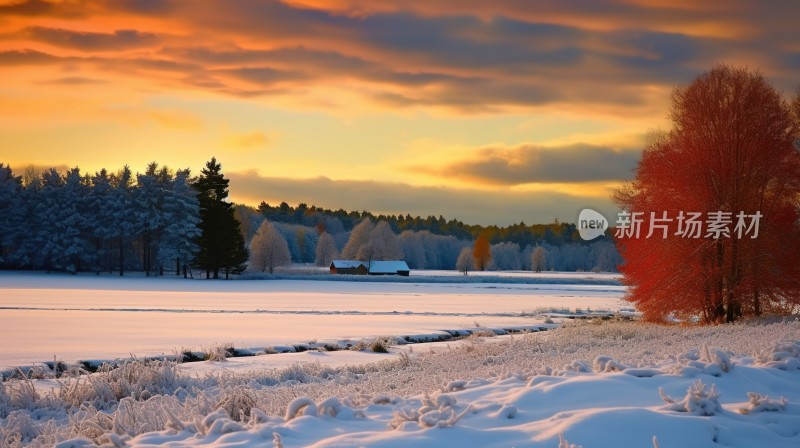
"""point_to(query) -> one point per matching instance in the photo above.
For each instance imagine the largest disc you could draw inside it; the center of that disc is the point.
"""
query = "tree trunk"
(756, 303)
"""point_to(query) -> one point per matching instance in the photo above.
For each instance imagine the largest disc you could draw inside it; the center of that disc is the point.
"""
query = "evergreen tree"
(182, 215)
(221, 245)
(28, 252)
(100, 220)
(123, 224)
(10, 211)
(149, 214)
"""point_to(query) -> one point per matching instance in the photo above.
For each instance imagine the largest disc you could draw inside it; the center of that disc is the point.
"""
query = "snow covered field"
(594, 384)
(45, 316)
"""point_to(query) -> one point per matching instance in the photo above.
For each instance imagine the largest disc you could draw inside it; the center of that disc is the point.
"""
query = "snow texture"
(738, 383)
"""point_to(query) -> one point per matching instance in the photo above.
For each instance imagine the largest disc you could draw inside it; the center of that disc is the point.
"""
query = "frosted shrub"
(718, 358)
(564, 443)
(139, 380)
(21, 394)
(303, 404)
(218, 353)
(5, 401)
(238, 402)
(762, 403)
(699, 400)
(437, 412)
(379, 346)
(218, 423)
(18, 429)
(604, 364)
(783, 356)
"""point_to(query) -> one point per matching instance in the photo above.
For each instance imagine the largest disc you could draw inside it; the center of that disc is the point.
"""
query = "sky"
(488, 112)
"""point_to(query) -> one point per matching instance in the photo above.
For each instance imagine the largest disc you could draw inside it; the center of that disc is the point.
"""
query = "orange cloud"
(248, 140)
(175, 119)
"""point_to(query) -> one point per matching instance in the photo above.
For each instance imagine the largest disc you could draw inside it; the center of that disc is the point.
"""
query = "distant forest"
(435, 242)
(119, 221)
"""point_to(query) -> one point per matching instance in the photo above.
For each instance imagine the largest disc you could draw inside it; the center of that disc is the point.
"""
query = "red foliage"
(482, 252)
(732, 149)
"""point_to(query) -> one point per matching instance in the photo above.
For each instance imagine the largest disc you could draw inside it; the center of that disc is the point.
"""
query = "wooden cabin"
(356, 267)
(352, 267)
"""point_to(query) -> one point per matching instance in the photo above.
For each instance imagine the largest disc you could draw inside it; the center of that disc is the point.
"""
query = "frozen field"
(89, 317)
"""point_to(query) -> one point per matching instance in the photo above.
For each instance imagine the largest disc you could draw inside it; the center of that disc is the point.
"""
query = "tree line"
(315, 236)
(556, 233)
(156, 221)
(164, 221)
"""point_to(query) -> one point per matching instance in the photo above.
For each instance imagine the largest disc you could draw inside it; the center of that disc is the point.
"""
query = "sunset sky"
(489, 112)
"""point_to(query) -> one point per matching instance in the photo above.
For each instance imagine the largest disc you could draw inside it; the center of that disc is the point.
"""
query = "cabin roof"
(346, 264)
(388, 267)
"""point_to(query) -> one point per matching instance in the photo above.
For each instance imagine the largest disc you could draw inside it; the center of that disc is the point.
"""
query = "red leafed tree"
(733, 148)
(482, 252)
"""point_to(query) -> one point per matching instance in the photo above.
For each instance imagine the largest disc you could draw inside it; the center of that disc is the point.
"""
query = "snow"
(700, 397)
(387, 267)
(589, 409)
(592, 384)
(46, 316)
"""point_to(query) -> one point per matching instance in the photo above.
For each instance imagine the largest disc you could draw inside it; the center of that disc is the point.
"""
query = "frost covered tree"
(385, 242)
(326, 250)
(413, 249)
(268, 249)
(359, 236)
(538, 259)
(465, 261)
(505, 257)
(221, 245)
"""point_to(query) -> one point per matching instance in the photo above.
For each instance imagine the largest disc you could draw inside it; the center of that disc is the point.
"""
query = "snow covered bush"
(783, 356)
(238, 402)
(303, 405)
(379, 346)
(699, 400)
(762, 403)
(437, 412)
